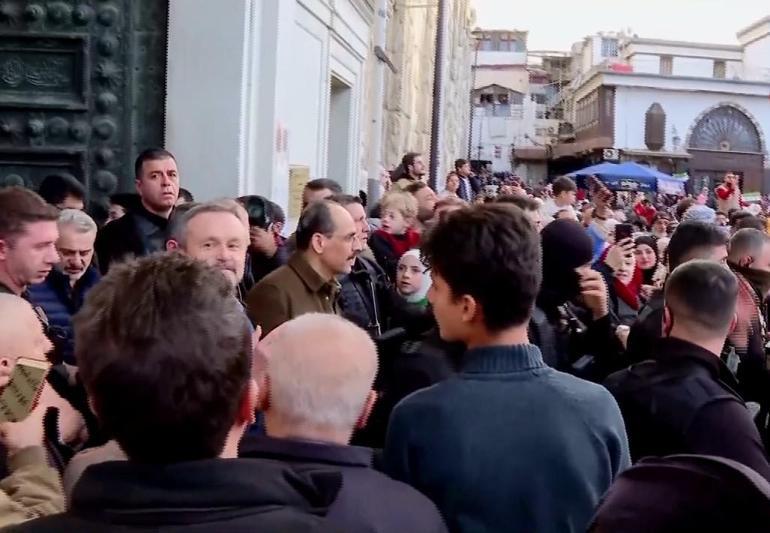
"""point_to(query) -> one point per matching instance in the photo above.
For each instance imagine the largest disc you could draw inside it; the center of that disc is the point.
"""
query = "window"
(666, 65)
(486, 99)
(509, 43)
(502, 99)
(501, 110)
(538, 98)
(609, 47)
(720, 70)
(485, 43)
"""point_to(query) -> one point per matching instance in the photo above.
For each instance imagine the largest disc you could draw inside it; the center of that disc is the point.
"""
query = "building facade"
(511, 128)
(411, 45)
(252, 96)
(681, 107)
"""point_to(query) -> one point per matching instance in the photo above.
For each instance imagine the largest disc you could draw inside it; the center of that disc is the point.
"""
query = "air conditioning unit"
(611, 154)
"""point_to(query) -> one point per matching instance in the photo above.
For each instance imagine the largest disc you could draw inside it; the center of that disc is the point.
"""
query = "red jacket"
(647, 212)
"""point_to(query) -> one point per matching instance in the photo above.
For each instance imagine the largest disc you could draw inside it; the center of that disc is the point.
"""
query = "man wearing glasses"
(327, 245)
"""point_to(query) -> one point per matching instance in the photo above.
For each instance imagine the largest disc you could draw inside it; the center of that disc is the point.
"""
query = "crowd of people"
(487, 358)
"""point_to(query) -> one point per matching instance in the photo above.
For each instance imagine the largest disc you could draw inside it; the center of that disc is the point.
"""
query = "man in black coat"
(684, 400)
(143, 231)
(691, 240)
(316, 389)
(165, 352)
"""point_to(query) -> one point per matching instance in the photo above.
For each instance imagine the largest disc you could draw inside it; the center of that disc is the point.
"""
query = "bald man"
(315, 389)
(32, 488)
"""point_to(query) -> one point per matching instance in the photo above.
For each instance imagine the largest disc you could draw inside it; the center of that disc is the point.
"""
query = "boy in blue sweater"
(509, 444)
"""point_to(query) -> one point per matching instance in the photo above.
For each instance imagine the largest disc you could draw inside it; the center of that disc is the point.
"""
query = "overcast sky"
(556, 24)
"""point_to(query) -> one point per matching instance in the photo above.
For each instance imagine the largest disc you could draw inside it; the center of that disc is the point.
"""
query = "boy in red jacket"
(398, 212)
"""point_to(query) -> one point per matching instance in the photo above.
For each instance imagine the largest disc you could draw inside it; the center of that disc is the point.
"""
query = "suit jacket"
(135, 234)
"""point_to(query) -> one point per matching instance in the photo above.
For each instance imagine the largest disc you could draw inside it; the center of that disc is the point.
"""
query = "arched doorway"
(723, 139)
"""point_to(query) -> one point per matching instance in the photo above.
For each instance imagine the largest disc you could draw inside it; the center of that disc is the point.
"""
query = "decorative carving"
(82, 86)
(655, 127)
(47, 72)
(108, 15)
(57, 127)
(12, 72)
(106, 102)
(11, 128)
(79, 131)
(104, 128)
(108, 45)
(727, 129)
(105, 181)
(108, 73)
(105, 156)
(82, 14)
(34, 12)
(13, 180)
(36, 127)
(8, 13)
(58, 12)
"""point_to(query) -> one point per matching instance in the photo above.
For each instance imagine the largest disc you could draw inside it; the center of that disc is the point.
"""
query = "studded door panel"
(82, 89)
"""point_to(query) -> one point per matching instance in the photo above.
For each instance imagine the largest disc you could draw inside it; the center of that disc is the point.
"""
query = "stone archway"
(725, 138)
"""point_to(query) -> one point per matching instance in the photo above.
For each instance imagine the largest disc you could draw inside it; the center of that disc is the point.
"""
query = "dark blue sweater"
(509, 444)
(60, 302)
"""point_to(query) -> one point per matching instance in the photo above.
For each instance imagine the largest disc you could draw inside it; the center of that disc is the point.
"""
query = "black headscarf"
(566, 246)
(652, 242)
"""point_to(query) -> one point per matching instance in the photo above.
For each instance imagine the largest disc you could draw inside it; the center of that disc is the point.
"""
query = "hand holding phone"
(623, 232)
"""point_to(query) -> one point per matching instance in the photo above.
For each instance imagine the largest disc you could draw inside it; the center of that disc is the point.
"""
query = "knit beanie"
(702, 213)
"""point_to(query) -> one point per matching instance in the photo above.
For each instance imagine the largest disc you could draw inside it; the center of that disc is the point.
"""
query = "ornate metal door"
(82, 89)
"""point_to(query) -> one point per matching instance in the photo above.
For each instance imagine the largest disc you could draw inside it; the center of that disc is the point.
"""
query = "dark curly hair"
(491, 253)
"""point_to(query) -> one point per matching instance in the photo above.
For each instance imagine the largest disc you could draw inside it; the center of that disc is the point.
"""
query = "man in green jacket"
(327, 245)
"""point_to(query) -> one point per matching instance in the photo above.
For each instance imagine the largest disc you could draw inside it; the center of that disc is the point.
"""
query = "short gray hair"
(181, 218)
(323, 384)
(78, 220)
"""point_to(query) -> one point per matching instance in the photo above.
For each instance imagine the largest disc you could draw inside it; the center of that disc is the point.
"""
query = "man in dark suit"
(143, 231)
(470, 186)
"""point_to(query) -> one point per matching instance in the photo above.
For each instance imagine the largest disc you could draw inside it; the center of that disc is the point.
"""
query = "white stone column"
(207, 48)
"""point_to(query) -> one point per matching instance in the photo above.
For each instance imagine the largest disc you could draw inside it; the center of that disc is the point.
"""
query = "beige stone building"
(408, 96)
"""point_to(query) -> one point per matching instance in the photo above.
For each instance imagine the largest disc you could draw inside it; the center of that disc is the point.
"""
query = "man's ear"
(317, 243)
(733, 324)
(248, 405)
(371, 399)
(172, 245)
(470, 308)
(745, 261)
(263, 393)
(667, 323)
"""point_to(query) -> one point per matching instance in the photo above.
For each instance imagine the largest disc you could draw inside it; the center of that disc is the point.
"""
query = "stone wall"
(409, 92)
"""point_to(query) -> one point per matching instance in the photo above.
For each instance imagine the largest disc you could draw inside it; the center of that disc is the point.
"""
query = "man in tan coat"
(327, 245)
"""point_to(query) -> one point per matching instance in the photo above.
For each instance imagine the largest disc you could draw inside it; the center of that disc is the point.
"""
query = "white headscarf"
(422, 293)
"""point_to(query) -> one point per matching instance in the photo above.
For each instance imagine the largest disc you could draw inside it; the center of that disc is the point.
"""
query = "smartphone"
(623, 231)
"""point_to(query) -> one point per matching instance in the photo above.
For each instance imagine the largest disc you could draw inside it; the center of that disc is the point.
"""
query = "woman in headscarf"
(412, 280)
(647, 260)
